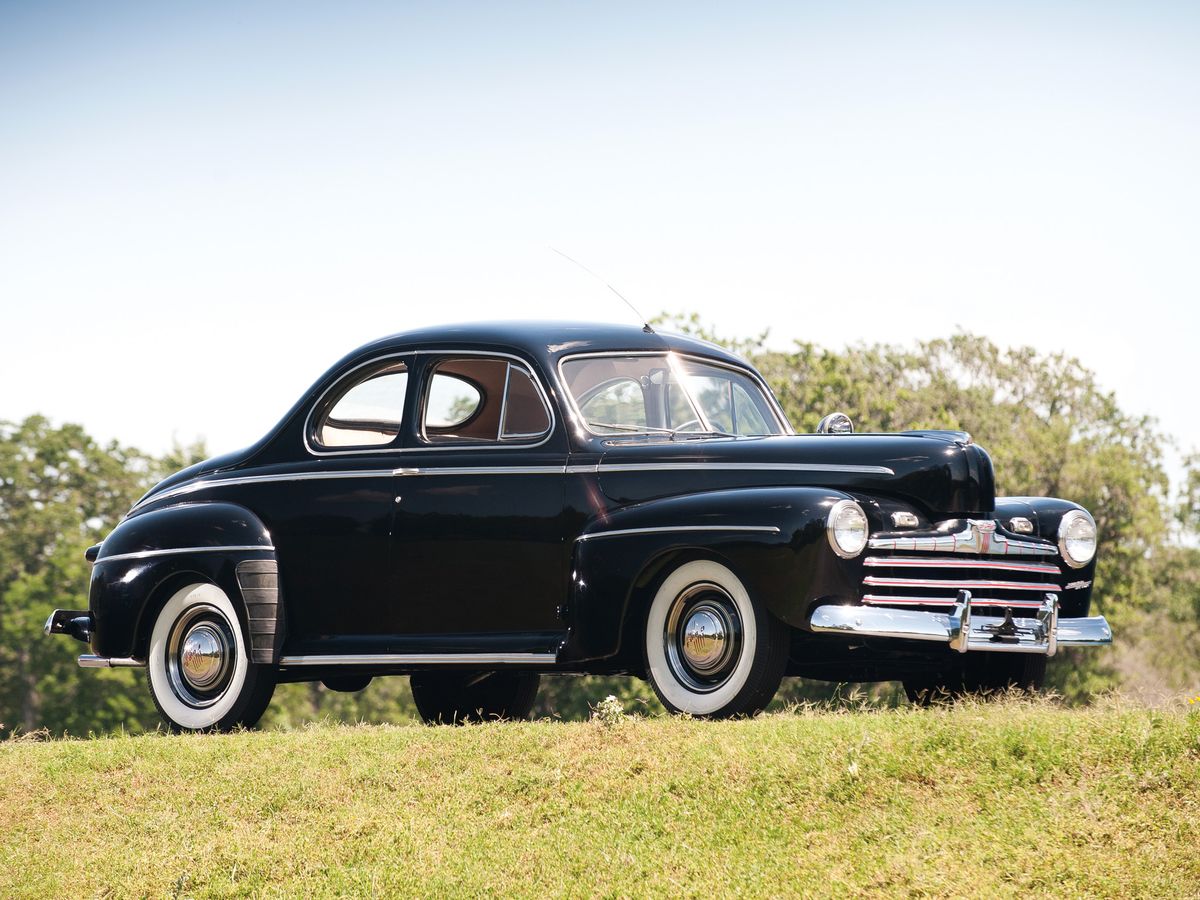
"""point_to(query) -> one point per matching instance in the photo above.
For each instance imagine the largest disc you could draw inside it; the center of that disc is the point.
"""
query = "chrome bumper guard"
(964, 631)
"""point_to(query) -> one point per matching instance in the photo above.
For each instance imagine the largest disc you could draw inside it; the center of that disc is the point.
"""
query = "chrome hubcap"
(705, 640)
(203, 656)
(201, 652)
(703, 637)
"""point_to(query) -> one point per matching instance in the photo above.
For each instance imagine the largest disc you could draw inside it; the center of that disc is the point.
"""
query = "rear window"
(482, 399)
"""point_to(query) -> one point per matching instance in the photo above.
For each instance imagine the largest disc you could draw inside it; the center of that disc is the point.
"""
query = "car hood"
(942, 473)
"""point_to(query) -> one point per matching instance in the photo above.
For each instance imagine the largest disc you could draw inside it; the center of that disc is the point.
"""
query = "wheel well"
(157, 599)
(641, 593)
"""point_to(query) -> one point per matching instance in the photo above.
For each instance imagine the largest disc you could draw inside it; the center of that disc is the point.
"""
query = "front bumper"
(964, 631)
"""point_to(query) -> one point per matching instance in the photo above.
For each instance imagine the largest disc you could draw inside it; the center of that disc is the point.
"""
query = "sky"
(203, 206)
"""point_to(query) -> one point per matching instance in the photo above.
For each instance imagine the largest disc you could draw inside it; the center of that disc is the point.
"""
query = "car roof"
(544, 340)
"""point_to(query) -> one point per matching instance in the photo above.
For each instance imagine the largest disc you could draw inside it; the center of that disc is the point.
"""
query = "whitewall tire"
(710, 649)
(198, 667)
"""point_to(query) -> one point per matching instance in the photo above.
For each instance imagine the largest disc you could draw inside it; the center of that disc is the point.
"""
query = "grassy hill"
(1007, 798)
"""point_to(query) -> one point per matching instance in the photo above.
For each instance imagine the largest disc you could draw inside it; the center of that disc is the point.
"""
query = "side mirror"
(836, 423)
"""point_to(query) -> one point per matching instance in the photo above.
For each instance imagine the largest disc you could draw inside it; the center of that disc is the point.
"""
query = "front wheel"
(710, 648)
(453, 698)
(198, 668)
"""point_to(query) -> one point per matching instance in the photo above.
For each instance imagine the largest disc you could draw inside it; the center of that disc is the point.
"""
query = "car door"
(330, 515)
(478, 551)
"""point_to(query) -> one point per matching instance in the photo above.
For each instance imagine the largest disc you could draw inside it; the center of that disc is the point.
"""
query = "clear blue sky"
(199, 197)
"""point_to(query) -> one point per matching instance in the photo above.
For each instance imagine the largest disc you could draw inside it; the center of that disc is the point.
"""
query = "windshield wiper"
(704, 432)
(637, 429)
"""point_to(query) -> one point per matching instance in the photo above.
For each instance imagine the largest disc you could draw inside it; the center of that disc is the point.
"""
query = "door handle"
(406, 471)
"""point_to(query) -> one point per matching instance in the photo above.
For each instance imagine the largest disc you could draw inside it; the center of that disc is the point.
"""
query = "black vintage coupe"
(475, 506)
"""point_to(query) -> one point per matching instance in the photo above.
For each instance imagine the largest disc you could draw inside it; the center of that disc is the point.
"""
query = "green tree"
(61, 491)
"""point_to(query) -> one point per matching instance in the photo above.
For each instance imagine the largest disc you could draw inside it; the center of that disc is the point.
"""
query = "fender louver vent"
(259, 581)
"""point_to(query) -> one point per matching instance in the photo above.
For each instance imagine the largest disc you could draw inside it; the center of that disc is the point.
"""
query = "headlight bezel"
(1073, 518)
(831, 522)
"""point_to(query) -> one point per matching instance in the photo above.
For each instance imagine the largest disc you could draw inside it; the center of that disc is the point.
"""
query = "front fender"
(1046, 514)
(152, 554)
(772, 538)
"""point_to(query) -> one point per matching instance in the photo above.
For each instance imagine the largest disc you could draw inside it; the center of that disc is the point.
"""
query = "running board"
(419, 659)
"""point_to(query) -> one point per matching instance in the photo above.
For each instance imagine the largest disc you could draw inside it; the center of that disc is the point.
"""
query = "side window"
(482, 399)
(369, 414)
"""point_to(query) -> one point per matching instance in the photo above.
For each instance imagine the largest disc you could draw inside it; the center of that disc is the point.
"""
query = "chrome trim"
(89, 661)
(965, 631)
(904, 520)
(1077, 585)
(978, 536)
(587, 469)
(969, 585)
(621, 532)
(446, 351)
(1020, 525)
(829, 533)
(483, 470)
(146, 554)
(192, 486)
(745, 467)
(835, 423)
(577, 414)
(384, 659)
(922, 562)
(884, 600)
(503, 404)
(1063, 525)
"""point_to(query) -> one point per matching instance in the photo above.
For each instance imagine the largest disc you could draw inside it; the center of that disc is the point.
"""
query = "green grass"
(1010, 798)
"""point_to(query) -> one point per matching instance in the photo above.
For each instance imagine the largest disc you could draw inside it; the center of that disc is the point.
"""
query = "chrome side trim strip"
(927, 562)
(88, 661)
(483, 470)
(667, 529)
(744, 467)
(193, 486)
(404, 659)
(146, 554)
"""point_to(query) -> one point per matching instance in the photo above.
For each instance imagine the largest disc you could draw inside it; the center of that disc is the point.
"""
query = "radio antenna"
(645, 325)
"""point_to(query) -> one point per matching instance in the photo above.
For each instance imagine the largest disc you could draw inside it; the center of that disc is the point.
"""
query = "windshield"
(667, 394)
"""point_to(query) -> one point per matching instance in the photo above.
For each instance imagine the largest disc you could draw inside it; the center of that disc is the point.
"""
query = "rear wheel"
(453, 698)
(710, 648)
(980, 674)
(198, 668)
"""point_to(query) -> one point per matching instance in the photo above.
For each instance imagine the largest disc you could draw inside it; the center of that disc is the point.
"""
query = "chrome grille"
(929, 570)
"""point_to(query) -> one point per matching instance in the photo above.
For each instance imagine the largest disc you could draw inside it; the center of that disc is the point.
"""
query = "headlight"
(847, 529)
(1077, 538)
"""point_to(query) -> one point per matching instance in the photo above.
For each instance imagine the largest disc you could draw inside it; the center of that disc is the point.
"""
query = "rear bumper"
(964, 631)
